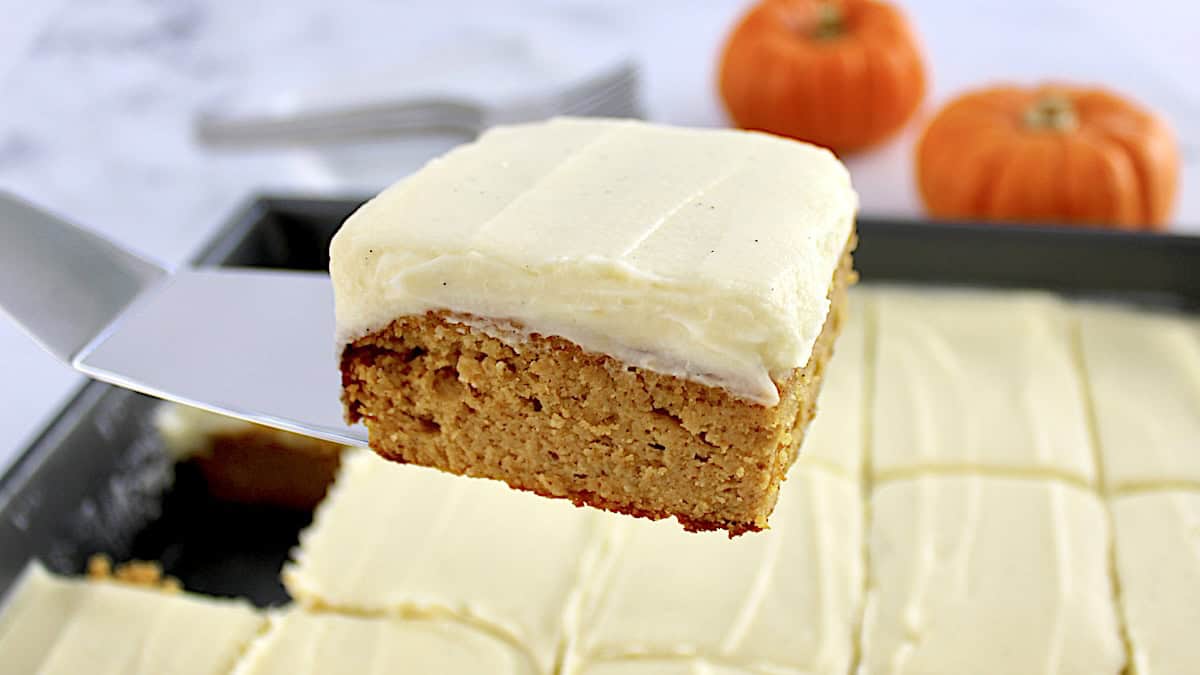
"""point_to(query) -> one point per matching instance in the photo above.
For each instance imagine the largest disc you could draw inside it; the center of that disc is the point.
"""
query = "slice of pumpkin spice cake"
(630, 316)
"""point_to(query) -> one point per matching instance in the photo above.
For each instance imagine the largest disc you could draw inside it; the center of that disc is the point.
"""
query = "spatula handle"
(61, 283)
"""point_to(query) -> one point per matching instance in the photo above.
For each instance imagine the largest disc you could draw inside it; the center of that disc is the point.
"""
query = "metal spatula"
(253, 344)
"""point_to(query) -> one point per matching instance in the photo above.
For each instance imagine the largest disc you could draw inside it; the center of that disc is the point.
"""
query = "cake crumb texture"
(548, 417)
(147, 574)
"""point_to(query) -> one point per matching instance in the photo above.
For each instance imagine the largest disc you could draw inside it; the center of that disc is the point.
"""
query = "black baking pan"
(97, 479)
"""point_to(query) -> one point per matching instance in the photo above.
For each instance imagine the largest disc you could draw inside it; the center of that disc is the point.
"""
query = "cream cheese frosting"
(1158, 563)
(300, 643)
(975, 380)
(415, 541)
(989, 576)
(1144, 375)
(56, 626)
(704, 254)
(655, 666)
(786, 600)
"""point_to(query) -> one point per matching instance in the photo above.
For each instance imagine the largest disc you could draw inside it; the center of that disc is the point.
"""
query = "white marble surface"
(98, 96)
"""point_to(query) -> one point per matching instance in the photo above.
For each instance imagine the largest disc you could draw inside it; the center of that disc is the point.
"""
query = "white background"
(96, 99)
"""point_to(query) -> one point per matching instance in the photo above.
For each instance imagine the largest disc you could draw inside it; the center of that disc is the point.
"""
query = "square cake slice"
(989, 576)
(414, 542)
(1158, 572)
(977, 382)
(629, 316)
(53, 625)
(786, 600)
(1143, 372)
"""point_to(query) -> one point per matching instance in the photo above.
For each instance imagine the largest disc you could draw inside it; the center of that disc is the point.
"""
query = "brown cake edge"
(800, 389)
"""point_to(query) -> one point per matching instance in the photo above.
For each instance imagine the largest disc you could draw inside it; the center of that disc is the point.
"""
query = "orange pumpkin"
(844, 74)
(1052, 153)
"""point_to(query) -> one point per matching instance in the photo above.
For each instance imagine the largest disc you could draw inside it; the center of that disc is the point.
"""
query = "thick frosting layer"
(56, 626)
(786, 599)
(1158, 564)
(299, 643)
(395, 538)
(706, 254)
(989, 576)
(1144, 372)
(978, 381)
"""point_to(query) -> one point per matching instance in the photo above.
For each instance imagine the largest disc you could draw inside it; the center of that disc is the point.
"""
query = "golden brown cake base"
(258, 465)
(562, 422)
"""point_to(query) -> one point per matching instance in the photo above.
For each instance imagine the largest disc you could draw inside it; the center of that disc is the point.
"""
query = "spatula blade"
(253, 344)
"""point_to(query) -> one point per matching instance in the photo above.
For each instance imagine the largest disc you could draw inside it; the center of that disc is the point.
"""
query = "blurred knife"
(252, 344)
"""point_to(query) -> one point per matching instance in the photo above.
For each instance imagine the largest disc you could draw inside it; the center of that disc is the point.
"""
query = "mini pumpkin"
(843, 74)
(1051, 153)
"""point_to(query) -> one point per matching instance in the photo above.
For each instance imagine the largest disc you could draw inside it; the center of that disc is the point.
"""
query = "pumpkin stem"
(829, 21)
(1052, 112)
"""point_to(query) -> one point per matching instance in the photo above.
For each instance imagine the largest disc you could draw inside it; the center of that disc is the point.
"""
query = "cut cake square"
(989, 576)
(629, 316)
(53, 625)
(1143, 371)
(415, 542)
(977, 381)
(786, 600)
(1158, 571)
